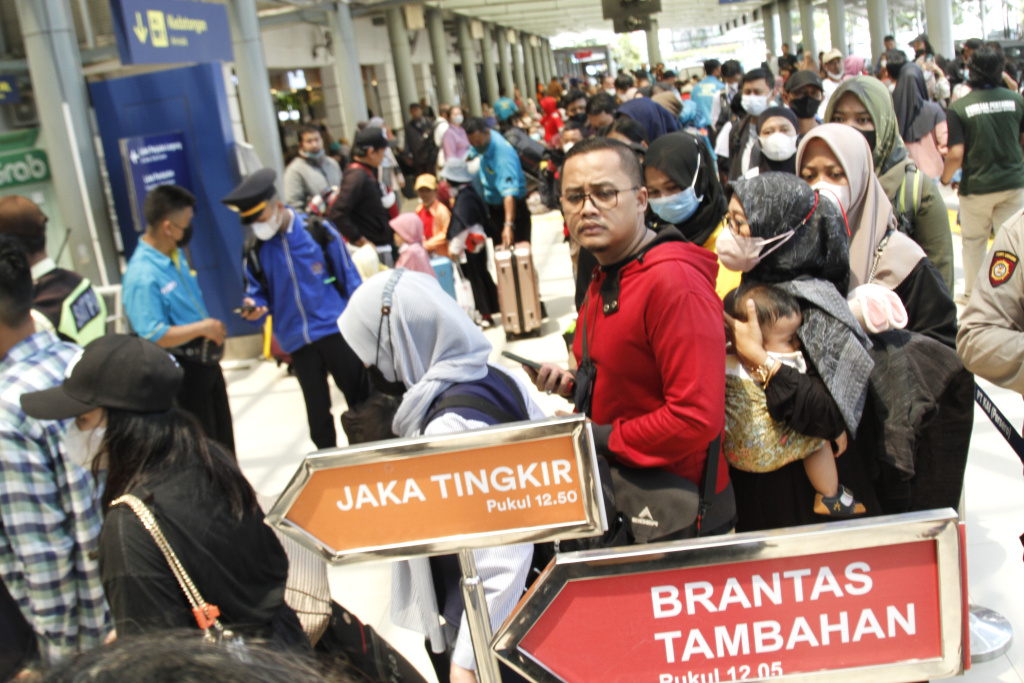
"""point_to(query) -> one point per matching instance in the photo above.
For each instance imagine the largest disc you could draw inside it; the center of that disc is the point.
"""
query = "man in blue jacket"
(299, 270)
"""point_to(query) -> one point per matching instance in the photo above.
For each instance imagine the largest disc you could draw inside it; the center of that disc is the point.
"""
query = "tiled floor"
(272, 438)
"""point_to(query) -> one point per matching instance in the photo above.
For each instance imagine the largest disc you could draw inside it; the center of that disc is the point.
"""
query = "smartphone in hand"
(519, 359)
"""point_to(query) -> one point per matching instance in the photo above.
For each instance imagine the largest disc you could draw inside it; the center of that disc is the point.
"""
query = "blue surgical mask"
(680, 207)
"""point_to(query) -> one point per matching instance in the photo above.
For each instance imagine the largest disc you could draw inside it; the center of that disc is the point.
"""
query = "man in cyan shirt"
(986, 131)
(164, 305)
(503, 182)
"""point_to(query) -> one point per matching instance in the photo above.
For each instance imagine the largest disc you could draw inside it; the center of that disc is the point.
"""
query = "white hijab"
(435, 343)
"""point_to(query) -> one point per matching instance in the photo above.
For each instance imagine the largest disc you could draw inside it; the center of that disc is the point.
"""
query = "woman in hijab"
(865, 104)
(776, 141)
(684, 193)
(466, 237)
(656, 119)
(922, 123)
(829, 158)
(803, 250)
(853, 66)
(418, 343)
(408, 229)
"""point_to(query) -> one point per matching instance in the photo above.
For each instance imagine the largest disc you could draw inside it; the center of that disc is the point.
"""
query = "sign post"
(877, 599)
(525, 482)
(152, 160)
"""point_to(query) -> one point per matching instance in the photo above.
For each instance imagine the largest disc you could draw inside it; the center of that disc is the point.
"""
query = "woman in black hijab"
(922, 123)
(684, 192)
(809, 258)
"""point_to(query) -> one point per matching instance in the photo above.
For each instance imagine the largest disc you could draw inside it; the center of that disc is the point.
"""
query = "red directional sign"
(828, 601)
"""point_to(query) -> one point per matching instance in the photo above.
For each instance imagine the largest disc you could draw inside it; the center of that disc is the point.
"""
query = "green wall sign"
(23, 168)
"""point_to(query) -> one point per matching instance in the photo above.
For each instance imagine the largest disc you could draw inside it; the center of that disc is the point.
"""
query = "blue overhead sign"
(171, 31)
(9, 90)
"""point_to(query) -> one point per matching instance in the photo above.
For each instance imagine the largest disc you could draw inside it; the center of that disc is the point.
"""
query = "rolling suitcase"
(517, 290)
(445, 273)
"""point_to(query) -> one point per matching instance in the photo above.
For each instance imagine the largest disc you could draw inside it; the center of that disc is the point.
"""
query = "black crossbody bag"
(645, 505)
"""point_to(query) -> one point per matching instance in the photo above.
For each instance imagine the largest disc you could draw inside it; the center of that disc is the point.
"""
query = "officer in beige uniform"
(991, 337)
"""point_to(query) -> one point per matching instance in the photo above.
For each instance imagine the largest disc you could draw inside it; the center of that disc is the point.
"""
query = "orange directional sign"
(512, 483)
(876, 600)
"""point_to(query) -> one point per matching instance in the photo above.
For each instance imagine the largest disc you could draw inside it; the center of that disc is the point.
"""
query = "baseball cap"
(830, 55)
(115, 371)
(921, 38)
(426, 180)
(801, 78)
(505, 108)
(371, 137)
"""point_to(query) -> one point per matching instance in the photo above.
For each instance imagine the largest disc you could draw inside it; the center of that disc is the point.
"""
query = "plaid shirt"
(49, 519)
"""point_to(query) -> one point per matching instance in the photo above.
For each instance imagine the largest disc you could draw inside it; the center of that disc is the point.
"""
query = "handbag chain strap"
(205, 613)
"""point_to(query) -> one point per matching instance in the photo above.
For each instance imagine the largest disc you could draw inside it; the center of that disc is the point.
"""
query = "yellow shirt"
(728, 280)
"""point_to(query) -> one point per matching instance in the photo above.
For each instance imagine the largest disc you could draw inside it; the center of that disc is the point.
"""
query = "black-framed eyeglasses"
(603, 199)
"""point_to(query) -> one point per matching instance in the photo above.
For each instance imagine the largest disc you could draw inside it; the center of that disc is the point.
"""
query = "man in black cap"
(299, 270)
(803, 94)
(358, 211)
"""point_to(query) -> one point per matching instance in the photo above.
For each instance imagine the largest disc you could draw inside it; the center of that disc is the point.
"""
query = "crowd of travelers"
(765, 312)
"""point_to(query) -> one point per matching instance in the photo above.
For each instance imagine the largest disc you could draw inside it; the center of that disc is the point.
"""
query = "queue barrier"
(878, 599)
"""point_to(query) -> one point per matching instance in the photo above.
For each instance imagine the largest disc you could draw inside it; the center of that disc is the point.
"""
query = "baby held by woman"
(754, 442)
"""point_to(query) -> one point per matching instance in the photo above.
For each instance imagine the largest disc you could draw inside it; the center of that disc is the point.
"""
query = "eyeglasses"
(603, 199)
(734, 225)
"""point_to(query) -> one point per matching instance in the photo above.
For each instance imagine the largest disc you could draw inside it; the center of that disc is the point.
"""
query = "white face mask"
(778, 146)
(83, 447)
(458, 119)
(837, 193)
(567, 146)
(264, 230)
(755, 104)
(611, 92)
(835, 75)
(388, 200)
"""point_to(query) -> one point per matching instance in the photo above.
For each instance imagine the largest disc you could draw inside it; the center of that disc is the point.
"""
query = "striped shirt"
(49, 519)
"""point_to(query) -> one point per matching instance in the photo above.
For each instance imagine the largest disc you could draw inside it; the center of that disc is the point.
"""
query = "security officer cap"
(251, 196)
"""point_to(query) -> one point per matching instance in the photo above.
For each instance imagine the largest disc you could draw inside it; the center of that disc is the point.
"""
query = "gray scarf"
(836, 344)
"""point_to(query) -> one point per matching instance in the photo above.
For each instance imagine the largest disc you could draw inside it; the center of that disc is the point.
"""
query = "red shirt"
(660, 359)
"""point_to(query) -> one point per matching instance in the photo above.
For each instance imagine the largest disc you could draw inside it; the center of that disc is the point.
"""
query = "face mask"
(869, 135)
(458, 119)
(742, 254)
(83, 447)
(611, 92)
(567, 146)
(264, 230)
(755, 104)
(837, 193)
(805, 107)
(677, 208)
(835, 75)
(186, 236)
(778, 146)
(314, 156)
(579, 118)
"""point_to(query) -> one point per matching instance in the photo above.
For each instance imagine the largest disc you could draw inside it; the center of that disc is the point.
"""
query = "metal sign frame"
(574, 427)
(939, 526)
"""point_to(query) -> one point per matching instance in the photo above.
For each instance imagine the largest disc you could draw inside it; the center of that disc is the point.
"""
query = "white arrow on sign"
(140, 29)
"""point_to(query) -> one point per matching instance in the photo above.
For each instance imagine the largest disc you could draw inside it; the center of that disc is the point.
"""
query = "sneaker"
(843, 504)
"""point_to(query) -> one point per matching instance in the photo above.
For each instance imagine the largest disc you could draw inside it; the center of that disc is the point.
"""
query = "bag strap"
(707, 491)
(204, 613)
(481, 404)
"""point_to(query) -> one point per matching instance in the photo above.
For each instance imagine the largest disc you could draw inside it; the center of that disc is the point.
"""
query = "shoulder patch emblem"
(1003, 265)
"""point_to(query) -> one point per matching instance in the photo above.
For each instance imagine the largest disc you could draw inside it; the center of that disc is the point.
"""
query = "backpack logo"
(645, 518)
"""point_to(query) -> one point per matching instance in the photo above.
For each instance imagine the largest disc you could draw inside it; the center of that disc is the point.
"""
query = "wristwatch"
(763, 372)
(509, 224)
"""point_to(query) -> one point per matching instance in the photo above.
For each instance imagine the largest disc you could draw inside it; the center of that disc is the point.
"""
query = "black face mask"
(186, 236)
(383, 384)
(579, 118)
(805, 107)
(871, 138)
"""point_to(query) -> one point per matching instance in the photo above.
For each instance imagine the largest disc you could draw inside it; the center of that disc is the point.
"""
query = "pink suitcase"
(517, 290)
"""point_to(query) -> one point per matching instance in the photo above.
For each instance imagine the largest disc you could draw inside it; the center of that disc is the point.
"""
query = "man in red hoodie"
(651, 326)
